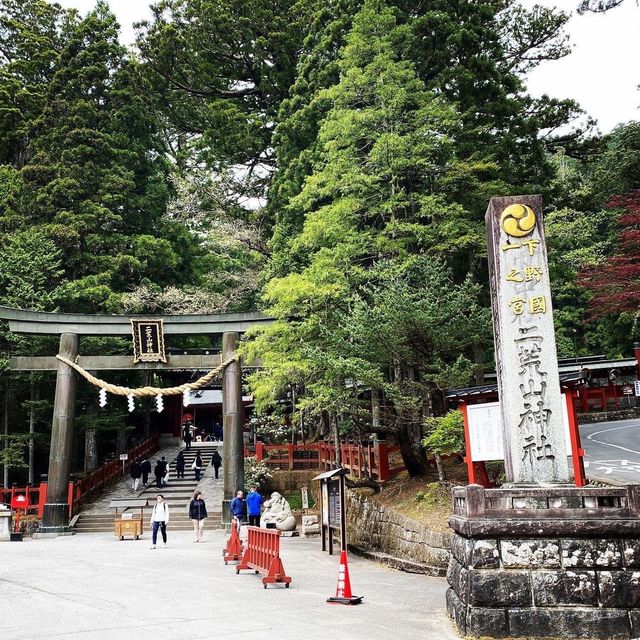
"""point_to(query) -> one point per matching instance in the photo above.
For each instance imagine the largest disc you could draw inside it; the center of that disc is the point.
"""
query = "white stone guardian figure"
(278, 512)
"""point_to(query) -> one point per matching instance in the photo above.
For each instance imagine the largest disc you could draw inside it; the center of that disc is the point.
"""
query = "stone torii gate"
(70, 326)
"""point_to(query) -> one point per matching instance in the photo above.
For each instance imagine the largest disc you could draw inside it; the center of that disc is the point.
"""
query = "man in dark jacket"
(216, 462)
(237, 508)
(187, 436)
(145, 468)
(135, 472)
(158, 472)
(180, 464)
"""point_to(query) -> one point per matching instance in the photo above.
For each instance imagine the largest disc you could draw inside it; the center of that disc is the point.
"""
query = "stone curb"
(398, 563)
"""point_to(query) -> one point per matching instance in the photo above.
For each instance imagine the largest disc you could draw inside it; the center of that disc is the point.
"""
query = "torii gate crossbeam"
(69, 326)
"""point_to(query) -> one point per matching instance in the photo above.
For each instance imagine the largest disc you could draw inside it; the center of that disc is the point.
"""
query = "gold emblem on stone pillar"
(518, 220)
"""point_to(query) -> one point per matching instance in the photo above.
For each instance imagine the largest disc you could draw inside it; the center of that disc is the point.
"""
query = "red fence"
(263, 556)
(80, 489)
(377, 459)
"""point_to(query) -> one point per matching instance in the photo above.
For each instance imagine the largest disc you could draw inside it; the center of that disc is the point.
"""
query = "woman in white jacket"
(159, 520)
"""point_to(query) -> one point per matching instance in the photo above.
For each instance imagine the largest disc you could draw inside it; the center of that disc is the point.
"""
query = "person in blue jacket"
(237, 508)
(254, 506)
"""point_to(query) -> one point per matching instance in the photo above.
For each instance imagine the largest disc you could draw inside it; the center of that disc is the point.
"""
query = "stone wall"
(609, 416)
(545, 587)
(559, 562)
(375, 528)
(288, 482)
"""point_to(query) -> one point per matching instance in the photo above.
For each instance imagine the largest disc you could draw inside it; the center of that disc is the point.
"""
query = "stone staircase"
(177, 494)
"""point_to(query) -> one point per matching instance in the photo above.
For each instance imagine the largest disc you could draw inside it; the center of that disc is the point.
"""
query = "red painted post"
(382, 454)
(70, 498)
(471, 471)
(42, 499)
(259, 451)
(577, 452)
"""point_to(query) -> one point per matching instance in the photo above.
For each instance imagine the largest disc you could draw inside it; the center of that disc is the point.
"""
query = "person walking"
(158, 472)
(216, 461)
(165, 470)
(180, 465)
(217, 431)
(159, 520)
(237, 509)
(197, 466)
(198, 513)
(145, 468)
(254, 506)
(135, 472)
(187, 436)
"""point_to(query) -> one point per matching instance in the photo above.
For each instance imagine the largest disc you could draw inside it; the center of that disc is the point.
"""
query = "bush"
(256, 473)
(445, 434)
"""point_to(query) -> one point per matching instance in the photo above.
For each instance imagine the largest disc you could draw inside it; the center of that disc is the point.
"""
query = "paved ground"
(612, 451)
(94, 587)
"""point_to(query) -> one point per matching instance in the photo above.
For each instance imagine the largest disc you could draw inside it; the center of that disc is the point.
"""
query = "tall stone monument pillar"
(538, 557)
(55, 519)
(525, 345)
(233, 422)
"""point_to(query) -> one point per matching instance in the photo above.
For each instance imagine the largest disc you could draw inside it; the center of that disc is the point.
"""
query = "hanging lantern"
(102, 398)
(131, 402)
(159, 403)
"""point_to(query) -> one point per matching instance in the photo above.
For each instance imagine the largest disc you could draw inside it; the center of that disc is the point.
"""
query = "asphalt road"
(612, 451)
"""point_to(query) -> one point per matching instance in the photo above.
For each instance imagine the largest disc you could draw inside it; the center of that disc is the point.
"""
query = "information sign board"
(485, 430)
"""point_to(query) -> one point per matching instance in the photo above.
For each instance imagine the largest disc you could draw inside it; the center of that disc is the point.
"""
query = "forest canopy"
(328, 163)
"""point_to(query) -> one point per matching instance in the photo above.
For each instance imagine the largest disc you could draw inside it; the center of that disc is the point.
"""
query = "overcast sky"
(602, 73)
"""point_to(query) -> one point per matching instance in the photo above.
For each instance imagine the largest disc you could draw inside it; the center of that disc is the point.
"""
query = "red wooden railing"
(79, 490)
(322, 455)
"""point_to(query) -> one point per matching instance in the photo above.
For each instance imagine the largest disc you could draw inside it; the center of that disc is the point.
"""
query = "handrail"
(354, 457)
(80, 489)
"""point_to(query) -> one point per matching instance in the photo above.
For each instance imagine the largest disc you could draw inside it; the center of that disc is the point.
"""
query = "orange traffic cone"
(343, 590)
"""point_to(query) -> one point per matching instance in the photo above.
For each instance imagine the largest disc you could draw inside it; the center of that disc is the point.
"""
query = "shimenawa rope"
(147, 391)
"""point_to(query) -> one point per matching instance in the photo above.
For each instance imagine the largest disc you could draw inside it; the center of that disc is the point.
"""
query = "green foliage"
(12, 454)
(445, 434)
(256, 473)
(270, 429)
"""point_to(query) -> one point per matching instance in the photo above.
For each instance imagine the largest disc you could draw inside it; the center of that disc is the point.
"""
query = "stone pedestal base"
(55, 518)
(523, 568)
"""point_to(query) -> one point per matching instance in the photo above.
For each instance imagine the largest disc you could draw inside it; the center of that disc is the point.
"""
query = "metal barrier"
(263, 556)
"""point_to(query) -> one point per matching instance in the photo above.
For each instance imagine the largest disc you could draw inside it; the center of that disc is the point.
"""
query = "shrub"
(445, 434)
(255, 473)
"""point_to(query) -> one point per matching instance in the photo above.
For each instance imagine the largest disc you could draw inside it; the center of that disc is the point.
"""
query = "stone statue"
(278, 512)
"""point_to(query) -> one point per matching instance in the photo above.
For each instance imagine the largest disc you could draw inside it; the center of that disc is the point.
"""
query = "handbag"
(193, 464)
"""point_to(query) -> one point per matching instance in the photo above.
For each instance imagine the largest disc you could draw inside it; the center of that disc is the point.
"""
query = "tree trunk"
(121, 441)
(440, 468)
(409, 441)
(325, 424)
(336, 441)
(34, 396)
(90, 450)
(5, 420)
(375, 409)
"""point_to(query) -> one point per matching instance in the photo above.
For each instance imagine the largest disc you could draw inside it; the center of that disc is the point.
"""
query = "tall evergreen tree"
(376, 199)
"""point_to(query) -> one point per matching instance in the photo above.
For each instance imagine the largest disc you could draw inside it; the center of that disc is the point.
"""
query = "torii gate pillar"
(55, 519)
(232, 421)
